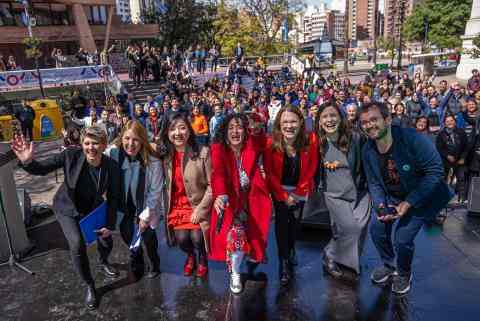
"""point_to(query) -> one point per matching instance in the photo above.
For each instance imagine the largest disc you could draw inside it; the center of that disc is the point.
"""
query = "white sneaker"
(236, 283)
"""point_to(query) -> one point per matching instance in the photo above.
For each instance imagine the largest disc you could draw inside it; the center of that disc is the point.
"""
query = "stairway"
(153, 88)
(141, 93)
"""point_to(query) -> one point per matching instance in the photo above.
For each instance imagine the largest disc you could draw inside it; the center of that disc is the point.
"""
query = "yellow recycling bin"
(6, 130)
(48, 123)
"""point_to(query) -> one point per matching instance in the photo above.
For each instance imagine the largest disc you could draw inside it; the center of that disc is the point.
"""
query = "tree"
(446, 20)
(186, 23)
(388, 45)
(475, 51)
(33, 51)
(269, 16)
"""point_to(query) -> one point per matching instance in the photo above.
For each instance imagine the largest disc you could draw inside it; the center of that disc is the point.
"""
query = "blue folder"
(96, 220)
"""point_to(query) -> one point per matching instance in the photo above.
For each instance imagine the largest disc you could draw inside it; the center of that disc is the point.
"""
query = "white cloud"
(337, 5)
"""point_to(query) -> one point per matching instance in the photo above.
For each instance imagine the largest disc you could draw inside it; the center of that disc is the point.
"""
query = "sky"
(336, 4)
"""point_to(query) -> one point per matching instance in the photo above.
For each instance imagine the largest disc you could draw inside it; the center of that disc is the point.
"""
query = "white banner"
(55, 77)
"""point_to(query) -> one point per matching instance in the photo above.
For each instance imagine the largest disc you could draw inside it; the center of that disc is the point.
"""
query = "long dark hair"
(164, 147)
(344, 131)
(221, 136)
(301, 141)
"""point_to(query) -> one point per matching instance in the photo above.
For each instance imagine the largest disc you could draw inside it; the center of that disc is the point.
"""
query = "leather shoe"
(91, 300)
(285, 273)
(109, 270)
(330, 267)
(293, 258)
(152, 274)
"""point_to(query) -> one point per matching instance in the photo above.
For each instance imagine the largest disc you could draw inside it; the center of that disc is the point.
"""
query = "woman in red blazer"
(242, 206)
(291, 159)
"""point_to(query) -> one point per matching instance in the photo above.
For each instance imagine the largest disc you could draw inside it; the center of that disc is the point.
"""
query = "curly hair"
(221, 135)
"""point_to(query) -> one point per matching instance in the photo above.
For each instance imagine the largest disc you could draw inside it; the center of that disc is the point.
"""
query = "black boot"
(285, 273)
(91, 300)
(293, 258)
(330, 267)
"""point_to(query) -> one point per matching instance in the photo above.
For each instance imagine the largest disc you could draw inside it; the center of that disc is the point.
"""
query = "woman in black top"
(89, 177)
(290, 163)
(452, 144)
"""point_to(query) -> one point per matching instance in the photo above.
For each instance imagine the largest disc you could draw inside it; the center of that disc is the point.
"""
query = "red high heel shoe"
(189, 265)
(202, 270)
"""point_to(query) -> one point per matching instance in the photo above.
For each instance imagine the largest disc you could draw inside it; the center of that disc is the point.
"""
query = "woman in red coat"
(291, 159)
(242, 206)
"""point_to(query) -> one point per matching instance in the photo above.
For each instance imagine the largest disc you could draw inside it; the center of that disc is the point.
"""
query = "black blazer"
(459, 149)
(72, 161)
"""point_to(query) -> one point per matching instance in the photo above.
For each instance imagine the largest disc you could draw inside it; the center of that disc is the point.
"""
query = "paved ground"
(446, 283)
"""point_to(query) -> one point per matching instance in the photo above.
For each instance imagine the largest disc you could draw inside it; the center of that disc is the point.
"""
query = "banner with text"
(55, 77)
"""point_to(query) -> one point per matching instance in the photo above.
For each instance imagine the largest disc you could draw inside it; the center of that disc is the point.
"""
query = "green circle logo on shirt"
(406, 167)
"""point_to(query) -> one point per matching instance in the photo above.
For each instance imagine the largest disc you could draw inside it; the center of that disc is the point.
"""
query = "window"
(41, 12)
(6, 16)
(97, 15)
(59, 14)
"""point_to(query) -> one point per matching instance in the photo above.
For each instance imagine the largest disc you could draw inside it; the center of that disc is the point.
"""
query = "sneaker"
(236, 283)
(381, 274)
(401, 283)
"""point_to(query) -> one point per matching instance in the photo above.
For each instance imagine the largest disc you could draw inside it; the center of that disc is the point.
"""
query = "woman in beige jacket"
(188, 195)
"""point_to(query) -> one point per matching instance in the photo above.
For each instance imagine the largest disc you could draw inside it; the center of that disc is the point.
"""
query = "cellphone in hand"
(383, 211)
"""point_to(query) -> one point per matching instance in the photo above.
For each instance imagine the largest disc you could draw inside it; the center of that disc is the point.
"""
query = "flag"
(285, 30)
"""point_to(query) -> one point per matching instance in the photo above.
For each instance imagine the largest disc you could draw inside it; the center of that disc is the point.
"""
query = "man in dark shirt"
(405, 180)
(26, 116)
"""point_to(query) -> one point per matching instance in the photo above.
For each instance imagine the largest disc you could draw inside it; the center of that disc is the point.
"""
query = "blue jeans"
(406, 229)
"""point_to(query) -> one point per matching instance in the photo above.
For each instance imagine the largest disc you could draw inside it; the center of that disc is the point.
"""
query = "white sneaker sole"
(383, 280)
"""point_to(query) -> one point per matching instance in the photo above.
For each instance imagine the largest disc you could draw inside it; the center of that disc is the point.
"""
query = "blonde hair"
(146, 151)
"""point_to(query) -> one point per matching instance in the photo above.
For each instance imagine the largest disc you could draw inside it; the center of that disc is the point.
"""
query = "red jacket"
(308, 167)
(225, 180)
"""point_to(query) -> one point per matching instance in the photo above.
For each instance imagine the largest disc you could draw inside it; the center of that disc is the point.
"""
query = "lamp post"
(346, 38)
(400, 37)
(30, 35)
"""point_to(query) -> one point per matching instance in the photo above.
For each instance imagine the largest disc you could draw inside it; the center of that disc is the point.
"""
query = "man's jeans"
(406, 229)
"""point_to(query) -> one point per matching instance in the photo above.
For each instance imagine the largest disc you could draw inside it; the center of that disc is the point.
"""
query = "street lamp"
(400, 38)
(28, 22)
(346, 40)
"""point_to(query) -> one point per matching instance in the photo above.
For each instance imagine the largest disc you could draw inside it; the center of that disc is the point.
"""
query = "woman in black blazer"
(90, 178)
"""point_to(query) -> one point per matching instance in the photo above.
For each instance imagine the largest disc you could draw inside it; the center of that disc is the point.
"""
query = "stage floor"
(446, 284)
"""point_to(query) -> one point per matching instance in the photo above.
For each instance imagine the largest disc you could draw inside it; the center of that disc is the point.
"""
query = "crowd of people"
(215, 162)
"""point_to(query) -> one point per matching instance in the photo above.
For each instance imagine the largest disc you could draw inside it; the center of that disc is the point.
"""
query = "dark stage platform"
(446, 285)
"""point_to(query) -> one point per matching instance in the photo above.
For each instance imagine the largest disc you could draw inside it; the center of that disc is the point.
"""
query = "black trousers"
(287, 225)
(459, 173)
(27, 131)
(149, 244)
(78, 249)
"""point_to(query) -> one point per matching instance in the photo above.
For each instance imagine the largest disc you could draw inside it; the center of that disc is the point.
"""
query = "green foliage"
(257, 34)
(475, 52)
(33, 47)
(446, 22)
(186, 23)
(192, 22)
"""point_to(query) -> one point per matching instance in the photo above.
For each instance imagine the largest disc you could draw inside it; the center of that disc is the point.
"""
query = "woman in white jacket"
(141, 203)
